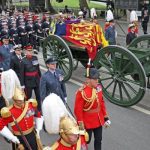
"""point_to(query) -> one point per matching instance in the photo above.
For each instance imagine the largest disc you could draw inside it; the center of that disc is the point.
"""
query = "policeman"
(17, 64)
(52, 81)
(24, 113)
(32, 75)
(70, 136)
(90, 109)
(5, 53)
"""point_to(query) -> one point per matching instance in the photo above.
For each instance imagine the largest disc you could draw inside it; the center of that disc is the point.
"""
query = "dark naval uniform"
(23, 35)
(38, 30)
(45, 27)
(18, 66)
(30, 31)
(13, 34)
(4, 32)
(32, 76)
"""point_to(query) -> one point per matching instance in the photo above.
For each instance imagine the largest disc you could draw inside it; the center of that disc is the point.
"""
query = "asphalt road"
(129, 130)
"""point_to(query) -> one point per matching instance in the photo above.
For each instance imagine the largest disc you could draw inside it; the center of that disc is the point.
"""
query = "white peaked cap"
(53, 109)
(17, 46)
(109, 16)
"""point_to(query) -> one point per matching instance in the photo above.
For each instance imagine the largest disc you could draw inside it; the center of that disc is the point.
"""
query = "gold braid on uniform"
(89, 100)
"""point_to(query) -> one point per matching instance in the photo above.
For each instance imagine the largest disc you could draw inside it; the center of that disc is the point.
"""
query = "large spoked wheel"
(118, 65)
(54, 45)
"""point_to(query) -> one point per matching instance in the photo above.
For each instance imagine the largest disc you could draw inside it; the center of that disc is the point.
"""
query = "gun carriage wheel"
(118, 66)
(55, 45)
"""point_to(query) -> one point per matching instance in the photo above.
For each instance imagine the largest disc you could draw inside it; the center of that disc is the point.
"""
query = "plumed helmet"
(18, 95)
(68, 126)
(53, 109)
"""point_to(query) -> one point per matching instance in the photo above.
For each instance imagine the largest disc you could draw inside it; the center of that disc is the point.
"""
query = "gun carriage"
(124, 72)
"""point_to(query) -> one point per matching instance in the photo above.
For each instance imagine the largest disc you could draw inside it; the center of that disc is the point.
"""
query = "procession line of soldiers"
(90, 109)
(25, 28)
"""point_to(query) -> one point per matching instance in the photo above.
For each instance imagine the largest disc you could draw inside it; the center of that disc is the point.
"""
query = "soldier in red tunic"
(24, 113)
(71, 137)
(90, 107)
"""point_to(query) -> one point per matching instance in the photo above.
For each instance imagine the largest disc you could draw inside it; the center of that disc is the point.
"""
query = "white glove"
(15, 140)
(66, 99)
(39, 125)
(8, 134)
(107, 123)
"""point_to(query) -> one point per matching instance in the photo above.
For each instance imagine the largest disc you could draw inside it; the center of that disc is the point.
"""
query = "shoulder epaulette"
(54, 146)
(34, 102)
(5, 112)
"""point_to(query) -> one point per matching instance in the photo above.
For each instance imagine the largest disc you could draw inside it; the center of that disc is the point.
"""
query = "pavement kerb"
(81, 80)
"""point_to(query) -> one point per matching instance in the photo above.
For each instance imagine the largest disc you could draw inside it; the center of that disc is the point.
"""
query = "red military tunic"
(90, 107)
(62, 145)
(24, 117)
